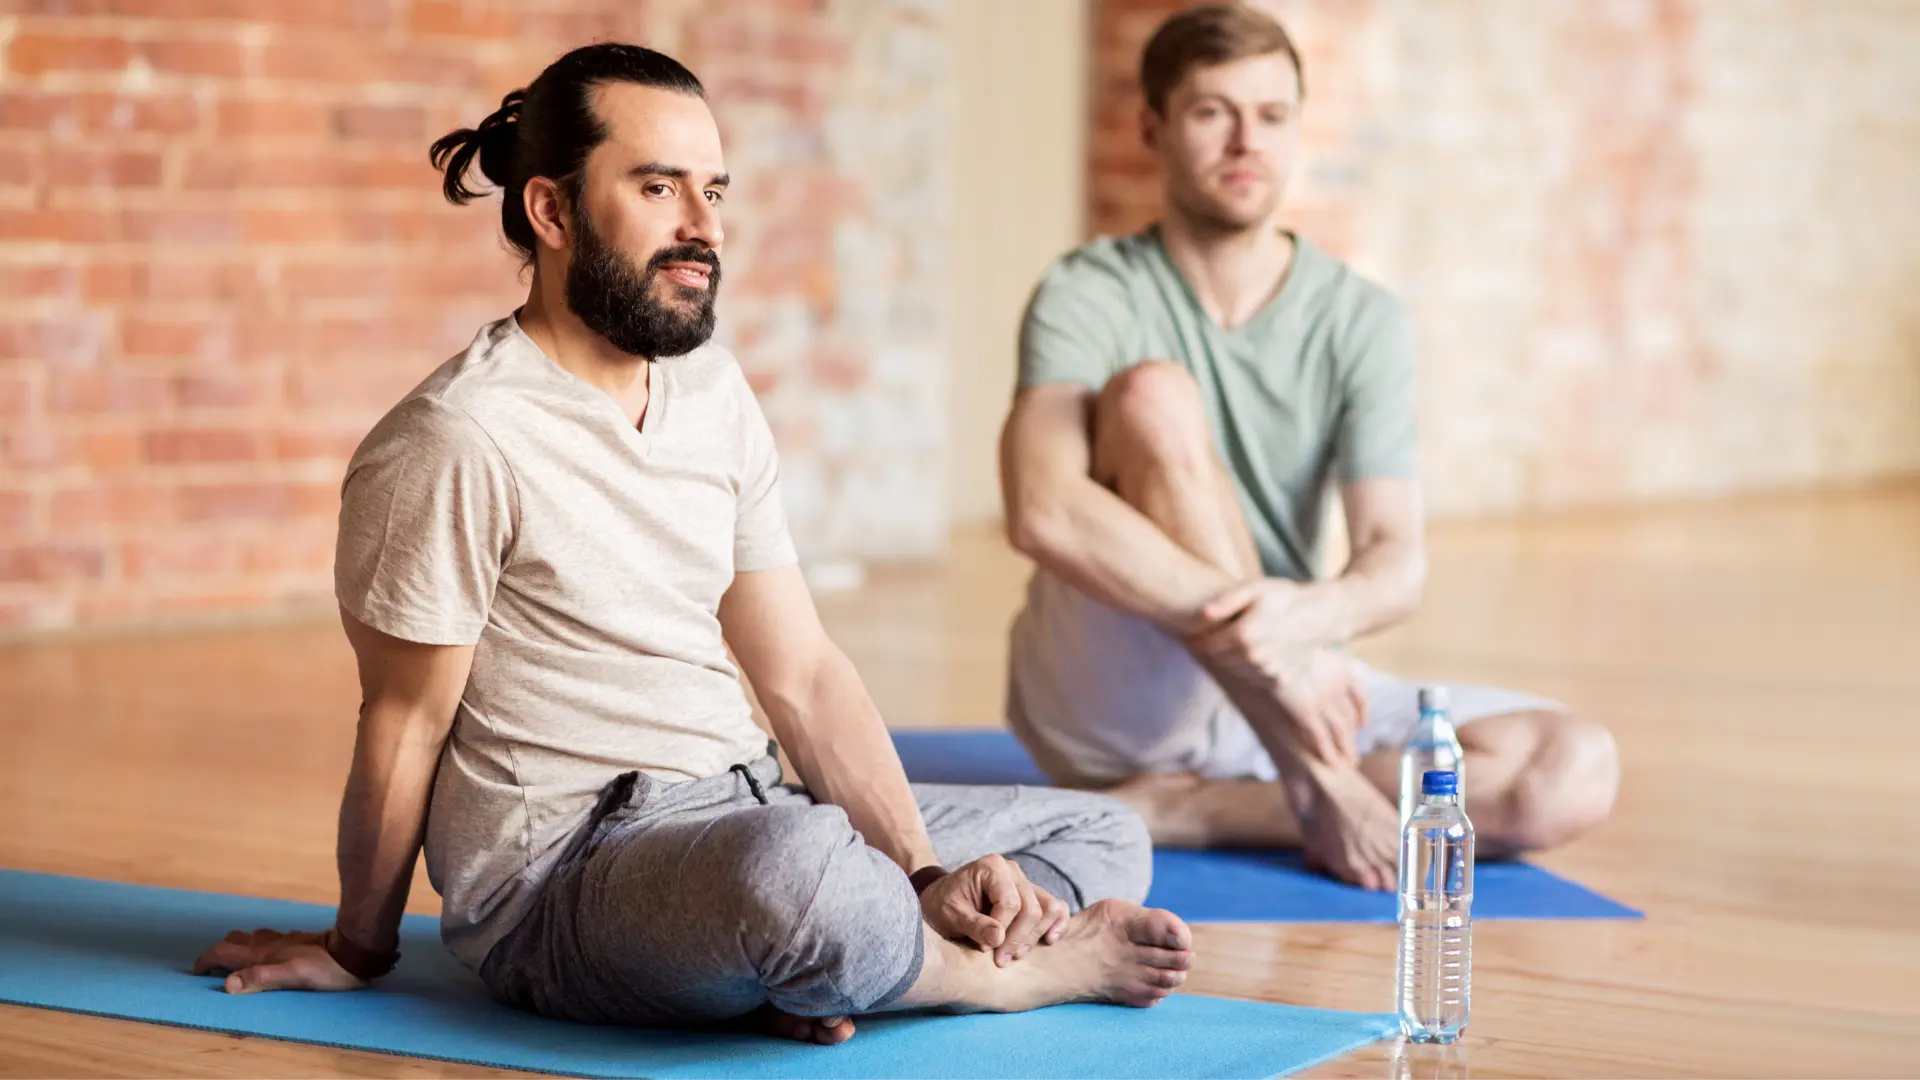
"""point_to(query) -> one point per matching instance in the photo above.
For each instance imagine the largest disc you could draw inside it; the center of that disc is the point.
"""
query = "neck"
(587, 356)
(1233, 272)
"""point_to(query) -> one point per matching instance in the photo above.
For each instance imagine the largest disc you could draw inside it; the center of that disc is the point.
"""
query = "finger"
(225, 956)
(261, 977)
(1230, 603)
(1058, 916)
(1003, 892)
(1024, 932)
(979, 929)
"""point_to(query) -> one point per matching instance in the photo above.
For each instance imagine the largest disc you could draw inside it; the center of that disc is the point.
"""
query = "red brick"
(16, 167)
(324, 281)
(295, 550)
(180, 446)
(51, 562)
(226, 389)
(104, 390)
(202, 338)
(450, 18)
(34, 448)
(186, 554)
(17, 511)
(106, 450)
(17, 395)
(379, 121)
(196, 56)
(176, 225)
(109, 505)
(284, 118)
(77, 339)
(251, 501)
(312, 226)
(59, 224)
(103, 168)
(33, 53)
(36, 281)
(318, 445)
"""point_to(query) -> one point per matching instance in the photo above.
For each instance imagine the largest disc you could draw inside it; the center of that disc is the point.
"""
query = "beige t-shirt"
(506, 504)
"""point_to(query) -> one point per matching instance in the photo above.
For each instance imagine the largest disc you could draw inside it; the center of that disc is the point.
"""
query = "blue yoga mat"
(118, 950)
(1253, 886)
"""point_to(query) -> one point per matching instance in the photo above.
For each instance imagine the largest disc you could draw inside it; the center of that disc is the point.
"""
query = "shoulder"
(440, 418)
(1358, 306)
(1101, 272)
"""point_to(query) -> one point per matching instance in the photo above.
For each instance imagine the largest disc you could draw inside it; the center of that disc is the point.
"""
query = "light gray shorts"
(1098, 695)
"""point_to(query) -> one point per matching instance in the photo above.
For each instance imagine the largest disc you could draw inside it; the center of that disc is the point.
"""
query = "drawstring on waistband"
(753, 784)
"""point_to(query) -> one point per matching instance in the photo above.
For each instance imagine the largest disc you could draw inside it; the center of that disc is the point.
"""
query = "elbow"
(1034, 528)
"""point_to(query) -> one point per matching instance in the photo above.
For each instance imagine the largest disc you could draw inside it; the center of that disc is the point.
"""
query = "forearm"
(839, 743)
(383, 817)
(1380, 586)
(1096, 542)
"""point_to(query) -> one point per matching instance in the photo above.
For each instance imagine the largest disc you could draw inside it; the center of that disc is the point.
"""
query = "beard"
(617, 299)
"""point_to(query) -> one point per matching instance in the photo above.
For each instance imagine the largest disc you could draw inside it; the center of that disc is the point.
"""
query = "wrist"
(357, 960)
(924, 877)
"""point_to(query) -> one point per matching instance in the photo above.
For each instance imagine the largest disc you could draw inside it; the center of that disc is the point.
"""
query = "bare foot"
(827, 1031)
(1113, 952)
(1351, 831)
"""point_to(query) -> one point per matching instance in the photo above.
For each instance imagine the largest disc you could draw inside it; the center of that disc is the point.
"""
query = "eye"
(716, 196)
(658, 188)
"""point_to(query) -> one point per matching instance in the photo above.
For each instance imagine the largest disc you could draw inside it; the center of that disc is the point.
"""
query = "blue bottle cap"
(1439, 782)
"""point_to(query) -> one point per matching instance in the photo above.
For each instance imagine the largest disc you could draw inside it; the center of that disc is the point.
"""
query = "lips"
(691, 275)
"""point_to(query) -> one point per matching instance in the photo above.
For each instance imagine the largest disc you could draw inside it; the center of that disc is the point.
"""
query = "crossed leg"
(1538, 777)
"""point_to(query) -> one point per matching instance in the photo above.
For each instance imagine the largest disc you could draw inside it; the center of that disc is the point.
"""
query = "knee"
(1154, 408)
(1568, 788)
(830, 925)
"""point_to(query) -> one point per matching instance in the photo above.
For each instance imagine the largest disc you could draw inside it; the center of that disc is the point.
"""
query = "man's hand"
(271, 960)
(990, 902)
(1254, 634)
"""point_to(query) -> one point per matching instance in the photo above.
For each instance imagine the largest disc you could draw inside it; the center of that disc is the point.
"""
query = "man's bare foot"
(827, 1031)
(1113, 952)
(1350, 830)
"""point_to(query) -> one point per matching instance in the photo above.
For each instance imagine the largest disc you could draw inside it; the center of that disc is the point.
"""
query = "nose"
(701, 223)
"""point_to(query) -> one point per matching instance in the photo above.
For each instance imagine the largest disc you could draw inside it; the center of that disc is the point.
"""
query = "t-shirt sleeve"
(760, 537)
(1073, 329)
(427, 517)
(1376, 429)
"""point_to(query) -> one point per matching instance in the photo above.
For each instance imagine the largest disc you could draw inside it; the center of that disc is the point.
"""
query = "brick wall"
(223, 255)
(1652, 248)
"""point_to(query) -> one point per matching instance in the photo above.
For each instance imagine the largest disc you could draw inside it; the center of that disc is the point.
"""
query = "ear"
(1150, 124)
(547, 212)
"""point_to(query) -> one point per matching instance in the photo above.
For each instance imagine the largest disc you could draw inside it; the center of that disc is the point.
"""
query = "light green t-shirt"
(1319, 384)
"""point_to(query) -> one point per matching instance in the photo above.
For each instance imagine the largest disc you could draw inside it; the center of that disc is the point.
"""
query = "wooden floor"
(1759, 660)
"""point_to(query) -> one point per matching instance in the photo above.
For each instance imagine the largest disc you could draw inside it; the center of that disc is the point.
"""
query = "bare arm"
(410, 693)
(821, 712)
(1063, 519)
(408, 696)
(1387, 571)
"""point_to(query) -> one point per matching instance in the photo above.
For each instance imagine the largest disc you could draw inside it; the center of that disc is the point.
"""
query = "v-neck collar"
(642, 435)
(1282, 297)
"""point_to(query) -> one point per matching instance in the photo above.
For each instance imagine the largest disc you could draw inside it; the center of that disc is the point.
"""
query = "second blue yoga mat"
(1253, 886)
(123, 950)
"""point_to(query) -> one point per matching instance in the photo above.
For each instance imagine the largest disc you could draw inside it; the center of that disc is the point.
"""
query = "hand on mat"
(271, 960)
(991, 903)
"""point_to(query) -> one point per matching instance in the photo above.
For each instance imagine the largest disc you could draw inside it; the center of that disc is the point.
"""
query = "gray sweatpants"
(682, 903)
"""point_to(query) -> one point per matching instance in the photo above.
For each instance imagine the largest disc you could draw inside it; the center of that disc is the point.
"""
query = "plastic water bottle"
(1433, 746)
(1436, 914)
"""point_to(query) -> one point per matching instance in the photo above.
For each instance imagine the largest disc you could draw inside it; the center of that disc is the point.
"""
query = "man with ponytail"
(552, 553)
